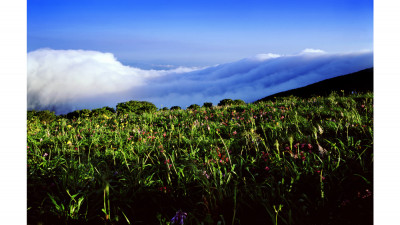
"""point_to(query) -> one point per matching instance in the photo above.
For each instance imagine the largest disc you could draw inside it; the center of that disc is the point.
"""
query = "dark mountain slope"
(361, 81)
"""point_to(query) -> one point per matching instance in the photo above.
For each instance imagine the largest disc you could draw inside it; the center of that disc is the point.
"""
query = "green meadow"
(287, 161)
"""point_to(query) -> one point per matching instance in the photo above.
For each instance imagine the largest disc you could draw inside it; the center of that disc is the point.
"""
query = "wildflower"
(234, 132)
(267, 168)
(205, 174)
(69, 126)
(163, 189)
(322, 151)
(320, 130)
(179, 217)
(45, 154)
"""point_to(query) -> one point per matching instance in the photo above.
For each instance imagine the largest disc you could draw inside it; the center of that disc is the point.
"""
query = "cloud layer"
(66, 80)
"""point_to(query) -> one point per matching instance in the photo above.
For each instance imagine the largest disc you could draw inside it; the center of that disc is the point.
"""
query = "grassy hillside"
(361, 81)
(288, 161)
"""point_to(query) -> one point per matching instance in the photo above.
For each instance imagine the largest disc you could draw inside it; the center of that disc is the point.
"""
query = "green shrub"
(175, 108)
(194, 106)
(108, 111)
(225, 102)
(137, 107)
(238, 102)
(79, 114)
(44, 116)
(207, 105)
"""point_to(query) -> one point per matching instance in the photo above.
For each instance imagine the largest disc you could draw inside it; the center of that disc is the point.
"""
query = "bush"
(225, 102)
(239, 102)
(207, 105)
(44, 116)
(138, 107)
(193, 107)
(164, 109)
(175, 108)
(108, 111)
(79, 114)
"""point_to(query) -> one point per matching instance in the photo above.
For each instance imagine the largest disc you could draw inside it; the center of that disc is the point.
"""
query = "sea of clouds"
(67, 80)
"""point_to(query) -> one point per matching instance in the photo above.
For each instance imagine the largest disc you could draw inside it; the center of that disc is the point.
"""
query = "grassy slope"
(361, 81)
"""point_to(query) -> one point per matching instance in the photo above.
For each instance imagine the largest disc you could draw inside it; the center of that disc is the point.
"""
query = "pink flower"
(267, 168)
(234, 132)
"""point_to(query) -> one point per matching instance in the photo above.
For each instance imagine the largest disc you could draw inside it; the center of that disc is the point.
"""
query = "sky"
(198, 33)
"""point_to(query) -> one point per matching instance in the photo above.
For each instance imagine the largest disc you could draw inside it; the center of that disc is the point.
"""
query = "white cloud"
(66, 80)
(263, 56)
(311, 50)
(66, 76)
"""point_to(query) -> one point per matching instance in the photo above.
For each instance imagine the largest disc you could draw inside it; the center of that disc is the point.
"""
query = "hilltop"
(361, 81)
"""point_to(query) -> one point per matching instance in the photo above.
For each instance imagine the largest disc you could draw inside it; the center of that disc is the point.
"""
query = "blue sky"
(199, 33)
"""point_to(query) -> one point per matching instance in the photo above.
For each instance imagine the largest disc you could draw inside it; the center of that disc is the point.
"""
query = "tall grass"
(288, 161)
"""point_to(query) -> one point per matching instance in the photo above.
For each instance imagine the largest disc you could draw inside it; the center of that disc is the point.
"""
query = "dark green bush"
(108, 111)
(79, 114)
(238, 102)
(138, 107)
(194, 106)
(46, 115)
(225, 102)
(175, 108)
(207, 105)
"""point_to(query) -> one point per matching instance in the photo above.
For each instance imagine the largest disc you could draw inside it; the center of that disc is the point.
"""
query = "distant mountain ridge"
(361, 81)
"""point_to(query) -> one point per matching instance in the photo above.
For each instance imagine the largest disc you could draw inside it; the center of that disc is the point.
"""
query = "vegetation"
(194, 106)
(287, 161)
(176, 108)
(137, 107)
(207, 105)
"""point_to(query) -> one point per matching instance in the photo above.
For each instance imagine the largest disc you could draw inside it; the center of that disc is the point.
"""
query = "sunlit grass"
(290, 161)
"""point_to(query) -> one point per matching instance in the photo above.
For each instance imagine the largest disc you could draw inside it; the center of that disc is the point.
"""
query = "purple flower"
(179, 217)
